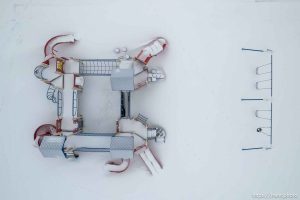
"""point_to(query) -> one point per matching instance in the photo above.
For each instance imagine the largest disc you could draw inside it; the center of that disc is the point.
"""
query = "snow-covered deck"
(132, 126)
(67, 109)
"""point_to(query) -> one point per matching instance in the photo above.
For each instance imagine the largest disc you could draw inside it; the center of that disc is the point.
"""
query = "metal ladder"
(141, 118)
(59, 103)
(75, 104)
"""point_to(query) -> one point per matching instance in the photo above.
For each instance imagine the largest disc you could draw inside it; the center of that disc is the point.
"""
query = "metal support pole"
(253, 148)
(258, 50)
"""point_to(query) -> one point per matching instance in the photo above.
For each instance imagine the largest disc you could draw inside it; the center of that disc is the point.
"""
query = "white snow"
(198, 104)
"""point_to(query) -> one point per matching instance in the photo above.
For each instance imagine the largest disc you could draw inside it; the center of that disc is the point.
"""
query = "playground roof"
(122, 79)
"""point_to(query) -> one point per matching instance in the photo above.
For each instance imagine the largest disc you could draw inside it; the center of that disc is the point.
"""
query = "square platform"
(99, 105)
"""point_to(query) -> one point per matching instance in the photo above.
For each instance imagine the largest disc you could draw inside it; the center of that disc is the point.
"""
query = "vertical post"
(271, 75)
(125, 104)
(271, 135)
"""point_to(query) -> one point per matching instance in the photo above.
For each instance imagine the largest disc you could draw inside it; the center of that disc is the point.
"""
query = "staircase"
(141, 118)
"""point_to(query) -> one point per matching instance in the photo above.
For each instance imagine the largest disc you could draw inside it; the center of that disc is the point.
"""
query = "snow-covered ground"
(99, 105)
(198, 105)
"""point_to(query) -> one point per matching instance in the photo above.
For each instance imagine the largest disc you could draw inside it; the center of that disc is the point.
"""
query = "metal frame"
(97, 67)
(257, 84)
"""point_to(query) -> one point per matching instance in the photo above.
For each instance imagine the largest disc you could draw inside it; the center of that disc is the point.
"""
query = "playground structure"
(65, 77)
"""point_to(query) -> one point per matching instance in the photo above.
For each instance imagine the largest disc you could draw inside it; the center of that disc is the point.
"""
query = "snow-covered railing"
(75, 103)
(59, 103)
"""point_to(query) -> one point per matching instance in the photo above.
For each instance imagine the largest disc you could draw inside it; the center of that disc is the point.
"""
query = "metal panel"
(122, 147)
(52, 146)
(122, 79)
